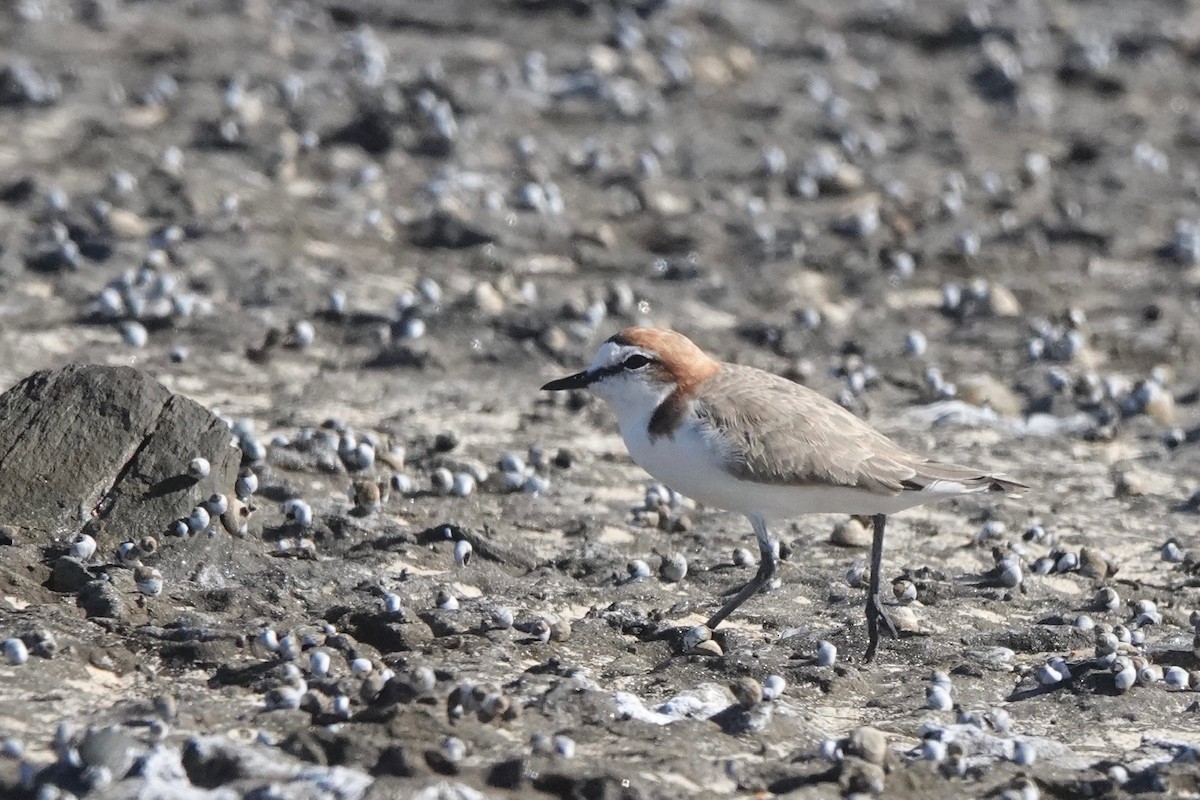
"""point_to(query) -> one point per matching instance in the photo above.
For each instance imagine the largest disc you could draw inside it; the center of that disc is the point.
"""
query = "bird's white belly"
(693, 464)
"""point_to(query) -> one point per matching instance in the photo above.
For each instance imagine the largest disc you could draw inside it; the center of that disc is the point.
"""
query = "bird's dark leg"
(766, 571)
(874, 604)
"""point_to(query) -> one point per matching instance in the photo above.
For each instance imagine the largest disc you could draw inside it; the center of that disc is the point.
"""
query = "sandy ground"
(977, 229)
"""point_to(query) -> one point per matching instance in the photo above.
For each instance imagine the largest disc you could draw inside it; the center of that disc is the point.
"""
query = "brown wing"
(784, 433)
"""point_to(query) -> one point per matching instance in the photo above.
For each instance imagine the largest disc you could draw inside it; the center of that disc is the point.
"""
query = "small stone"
(674, 568)
(1024, 753)
(637, 569)
(869, 744)
(746, 691)
(149, 580)
(937, 698)
(773, 687)
(693, 637)
(742, 557)
(850, 533)
(826, 654)
(15, 651)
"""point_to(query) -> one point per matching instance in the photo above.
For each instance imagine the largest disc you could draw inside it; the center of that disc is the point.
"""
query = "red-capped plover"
(744, 440)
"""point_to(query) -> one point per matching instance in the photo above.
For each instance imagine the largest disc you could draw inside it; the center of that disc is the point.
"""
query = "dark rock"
(389, 632)
(69, 575)
(393, 760)
(106, 442)
(445, 229)
(508, 774)
(101, 599)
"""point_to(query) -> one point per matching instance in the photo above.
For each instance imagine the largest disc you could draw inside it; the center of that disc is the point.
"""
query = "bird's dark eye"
(636, 361)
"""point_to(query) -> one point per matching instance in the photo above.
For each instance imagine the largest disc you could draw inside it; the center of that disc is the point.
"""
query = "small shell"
(695, 636)
(83, 548)
(297, 512)
(1176, 677)
(15, 651)
(638, 568)
(198, 468)
(746, 691)
(1107, 598)
(773, 687)
(937, 698)
(246, 484)
(674, 568)
(1024, 753)
(199, 519)
(743, 557)
(149, 580)
(361, 666)
(1048, 676)
(1125, 678)
(217, 505)
(318, 663)
(462, 553)
(826, 654)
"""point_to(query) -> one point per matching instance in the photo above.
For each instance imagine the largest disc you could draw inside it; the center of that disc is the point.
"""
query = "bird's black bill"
(580, 380)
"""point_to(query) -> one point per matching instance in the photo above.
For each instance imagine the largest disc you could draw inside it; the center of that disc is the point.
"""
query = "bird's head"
(641, 366)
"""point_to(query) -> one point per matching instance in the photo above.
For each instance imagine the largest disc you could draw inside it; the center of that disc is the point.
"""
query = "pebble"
(1047, 675)
(402, 484)
(1176, 677)
(446, 601)
(134, 333)
(937, 698)
(441, 481)
(915, 344)
(826, 654)
(199, 519)
(905, 590)
(1024, 754)
(1172, 553)
(1107, 598)
(773, 687)
(1124, 677)
(1010, 573)
(15, 651)
(850, 533)
(746, 691)
(637, 568)
(198, 468)
(289, 648)
(83, 548)
(462, 553)
(361, 666)
(742, 557)
(536, 484)
(674, 568)
(149, 580)
(464, 485)
(392, 603)
(564, 746)
(298, 512)
(268, 640)
(319, 662)
(933, 750)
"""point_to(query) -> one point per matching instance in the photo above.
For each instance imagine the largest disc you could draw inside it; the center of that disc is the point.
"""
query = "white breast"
(693, 462)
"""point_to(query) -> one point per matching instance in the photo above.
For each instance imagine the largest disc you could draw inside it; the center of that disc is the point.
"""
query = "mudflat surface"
(391, 222)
